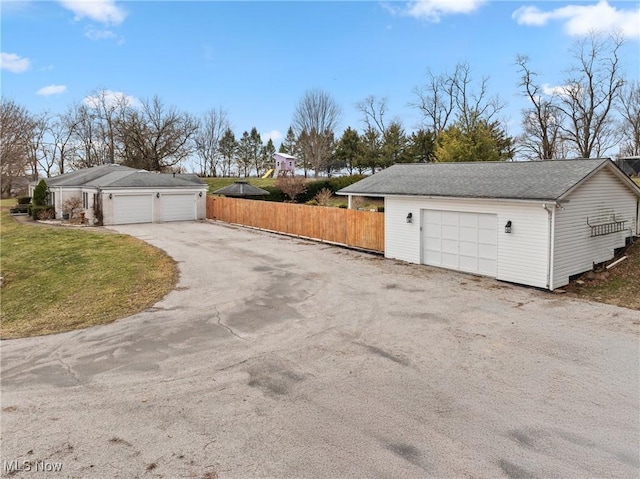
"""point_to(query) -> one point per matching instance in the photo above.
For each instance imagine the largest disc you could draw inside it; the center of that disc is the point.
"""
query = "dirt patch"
(618, 285)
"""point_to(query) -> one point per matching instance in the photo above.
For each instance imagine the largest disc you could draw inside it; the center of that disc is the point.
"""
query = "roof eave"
(486, 198)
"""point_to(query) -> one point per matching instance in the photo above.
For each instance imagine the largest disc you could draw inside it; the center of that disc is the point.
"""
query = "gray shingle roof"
(241, 189)
(118, 176)
(526, 180)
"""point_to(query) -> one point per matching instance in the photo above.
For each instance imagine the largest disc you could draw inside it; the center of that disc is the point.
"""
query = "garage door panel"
(488, 237)
(488, 222)
(433, 258)
(449, 260)
(460, 240)
(469, 220)
(468, 249)
(129, 209)
(433, 231)
(468, 263)
(487, 252)
(450, 218)
(177, 207)
(450, 232)
(433, 244)
(449, 246)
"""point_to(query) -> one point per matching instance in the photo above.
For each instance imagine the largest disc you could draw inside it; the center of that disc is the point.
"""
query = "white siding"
(522, 254)
(597, 199)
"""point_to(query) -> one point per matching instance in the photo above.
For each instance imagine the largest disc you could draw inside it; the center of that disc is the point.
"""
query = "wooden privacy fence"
(360, 229)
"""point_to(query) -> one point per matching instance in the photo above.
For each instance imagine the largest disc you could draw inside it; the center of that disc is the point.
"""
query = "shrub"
(312, 203)
(42, 212)
(292, 186)
(72, 205)
(323, 196)
(24, 200)
(340, 182)
(275, 194)
(40, 194)
(380, 209)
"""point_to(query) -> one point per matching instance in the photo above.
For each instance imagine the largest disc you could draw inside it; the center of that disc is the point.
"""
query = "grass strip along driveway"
(57, 279)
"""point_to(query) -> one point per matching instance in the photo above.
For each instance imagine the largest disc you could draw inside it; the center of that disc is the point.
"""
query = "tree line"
(595, 110)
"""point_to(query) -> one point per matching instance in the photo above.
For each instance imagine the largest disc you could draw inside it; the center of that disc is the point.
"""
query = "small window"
(51, 198)
(85, 200)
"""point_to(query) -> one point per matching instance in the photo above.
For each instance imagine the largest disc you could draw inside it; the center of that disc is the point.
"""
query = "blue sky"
(257, 59)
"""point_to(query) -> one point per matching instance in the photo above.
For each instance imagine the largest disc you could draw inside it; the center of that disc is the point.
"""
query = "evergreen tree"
(228, 148)
(348, 149)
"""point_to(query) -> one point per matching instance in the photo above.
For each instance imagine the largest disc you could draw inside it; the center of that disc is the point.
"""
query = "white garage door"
(132, 209)
(462, 241)
(177, 207)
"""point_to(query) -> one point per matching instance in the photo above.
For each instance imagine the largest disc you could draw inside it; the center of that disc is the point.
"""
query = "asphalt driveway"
(279, 357)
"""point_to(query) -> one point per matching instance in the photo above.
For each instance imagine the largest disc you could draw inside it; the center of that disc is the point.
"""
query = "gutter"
(551, 244)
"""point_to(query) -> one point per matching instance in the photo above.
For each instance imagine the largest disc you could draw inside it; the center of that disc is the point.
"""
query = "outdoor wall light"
(507, 227)
(200, 194)
(157, 195)
(110, 196)
(410, 218)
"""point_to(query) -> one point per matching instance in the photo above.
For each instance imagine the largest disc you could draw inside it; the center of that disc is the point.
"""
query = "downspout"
(550, 246)
(638, 217)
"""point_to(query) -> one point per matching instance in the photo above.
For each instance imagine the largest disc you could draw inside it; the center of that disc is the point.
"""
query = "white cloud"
(560, 90)
(275, 135)
(110, 99)
(51, 90)
(14, 63)
(434, 10)
(583, 19)
(96, 34)
(103, 11)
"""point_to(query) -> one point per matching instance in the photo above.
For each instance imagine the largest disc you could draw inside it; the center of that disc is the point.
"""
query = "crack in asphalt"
(69, 370)
(221, 324)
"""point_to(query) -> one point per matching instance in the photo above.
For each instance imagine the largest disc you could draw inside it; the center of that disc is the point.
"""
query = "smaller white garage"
(536, 223)
(115, 194)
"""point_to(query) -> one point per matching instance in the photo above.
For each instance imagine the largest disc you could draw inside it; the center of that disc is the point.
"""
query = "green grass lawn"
(217, 183)
(62, 278)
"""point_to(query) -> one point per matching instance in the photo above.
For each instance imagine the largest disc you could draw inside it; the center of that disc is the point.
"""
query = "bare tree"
(87, 146)
(53, 143)
(454, 97)
(207, 138)
(107, 108)
(155, 137)
(629, 110)
(291, 185)
(540, 139)
(373, 112)
(17, 128)
(314, 121)
(590, 94)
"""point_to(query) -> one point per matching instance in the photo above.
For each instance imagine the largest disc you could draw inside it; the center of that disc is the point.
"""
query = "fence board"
(361, 229)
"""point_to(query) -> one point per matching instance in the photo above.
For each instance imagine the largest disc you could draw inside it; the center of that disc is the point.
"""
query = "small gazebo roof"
(241, 189)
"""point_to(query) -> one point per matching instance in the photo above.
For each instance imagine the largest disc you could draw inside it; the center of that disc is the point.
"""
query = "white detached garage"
(123, 195)
(534, 223)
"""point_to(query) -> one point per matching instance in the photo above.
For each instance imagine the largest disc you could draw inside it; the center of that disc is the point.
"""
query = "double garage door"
(461, 241)
(139, 208)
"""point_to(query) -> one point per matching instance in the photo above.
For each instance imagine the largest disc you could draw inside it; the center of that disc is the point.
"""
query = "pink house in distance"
(284, 162)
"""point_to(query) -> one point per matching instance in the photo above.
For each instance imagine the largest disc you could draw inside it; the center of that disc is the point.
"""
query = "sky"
(256, 59)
